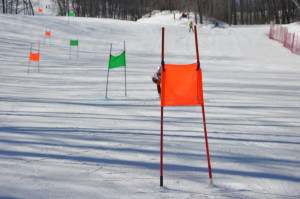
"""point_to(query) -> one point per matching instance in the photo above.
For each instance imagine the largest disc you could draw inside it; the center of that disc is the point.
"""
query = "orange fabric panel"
(181, 85)
(34, 57)
(48, 33)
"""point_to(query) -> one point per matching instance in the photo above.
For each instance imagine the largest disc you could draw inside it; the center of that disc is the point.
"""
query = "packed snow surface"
(61, 138)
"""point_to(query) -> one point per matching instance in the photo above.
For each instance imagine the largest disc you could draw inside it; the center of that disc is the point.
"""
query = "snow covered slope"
(60, 137)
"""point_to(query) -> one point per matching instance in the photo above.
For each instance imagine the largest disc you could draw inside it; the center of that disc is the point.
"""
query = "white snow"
(60, 137)
(294, 28)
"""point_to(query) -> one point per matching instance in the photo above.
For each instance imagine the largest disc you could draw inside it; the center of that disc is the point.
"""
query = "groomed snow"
(60, 137)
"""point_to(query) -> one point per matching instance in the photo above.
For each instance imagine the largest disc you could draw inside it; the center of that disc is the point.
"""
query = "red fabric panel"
(181, 85)
(34, 57)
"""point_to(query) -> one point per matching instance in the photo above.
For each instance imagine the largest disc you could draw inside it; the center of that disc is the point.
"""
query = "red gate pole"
(206, 143)
(203, 111)
(162, 113)
(197, 49)
(161, 145)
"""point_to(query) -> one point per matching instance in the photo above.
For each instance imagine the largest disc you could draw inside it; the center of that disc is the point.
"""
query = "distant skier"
(191, 26)
(157, 79)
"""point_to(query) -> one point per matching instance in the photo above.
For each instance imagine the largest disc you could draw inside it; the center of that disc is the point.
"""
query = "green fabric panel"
(74, 42)
(71, 14)
(117, 61)
(58, 11)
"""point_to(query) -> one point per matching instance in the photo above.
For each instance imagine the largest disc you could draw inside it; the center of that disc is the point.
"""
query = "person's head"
(158, 68)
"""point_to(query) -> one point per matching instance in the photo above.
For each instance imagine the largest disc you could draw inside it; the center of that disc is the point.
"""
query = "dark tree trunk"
(200, 10)
(242, 11)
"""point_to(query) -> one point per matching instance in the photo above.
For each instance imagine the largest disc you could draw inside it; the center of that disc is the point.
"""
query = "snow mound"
(165, 18)
(294, 28)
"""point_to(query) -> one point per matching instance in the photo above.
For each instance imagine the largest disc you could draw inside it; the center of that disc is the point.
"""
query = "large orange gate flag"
(181, 85)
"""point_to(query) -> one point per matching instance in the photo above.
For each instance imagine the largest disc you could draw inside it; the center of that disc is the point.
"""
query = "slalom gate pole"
(203, 111)
(197, 49)
(206, 143)
(163, 49)
(108, 72)
(39, 58)
(29, 57)
(70, 48)
(162, 114)
(125, 71)
(161, 145)
(77, 48)
(45, 36)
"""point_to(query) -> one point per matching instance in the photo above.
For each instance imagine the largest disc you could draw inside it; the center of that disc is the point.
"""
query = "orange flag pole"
(39, 58)
(29, 58)
(203, 112)
(34, 57)
(47, 34)
(162, 112)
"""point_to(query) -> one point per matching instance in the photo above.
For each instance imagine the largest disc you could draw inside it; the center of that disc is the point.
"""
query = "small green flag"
(73, 42)
(71, 14)
(58, 11)
(117, 61)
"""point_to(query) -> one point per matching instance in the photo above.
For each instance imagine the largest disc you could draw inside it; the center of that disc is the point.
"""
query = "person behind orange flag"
(157, 79)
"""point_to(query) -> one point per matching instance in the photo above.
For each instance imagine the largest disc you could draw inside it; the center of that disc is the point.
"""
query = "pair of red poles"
(197, 102)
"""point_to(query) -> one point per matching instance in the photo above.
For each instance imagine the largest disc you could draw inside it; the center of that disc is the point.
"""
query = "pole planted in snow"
(29, 57)
(39, 58)
(108, 72)
(203, 112)
(125, 71)
(162, 113)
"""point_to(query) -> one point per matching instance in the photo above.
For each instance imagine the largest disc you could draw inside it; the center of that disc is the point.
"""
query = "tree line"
(17, 7)
(229, 11)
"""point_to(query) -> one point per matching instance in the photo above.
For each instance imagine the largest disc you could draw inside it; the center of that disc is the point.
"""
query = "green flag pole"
(70, 49)
(108, 71)
(74, 43)
(125, 70)
(77, 48)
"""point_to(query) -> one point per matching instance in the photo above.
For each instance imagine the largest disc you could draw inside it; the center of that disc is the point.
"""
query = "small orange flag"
(181, 85)
(34, 57)
(40, 10)
(48, 33)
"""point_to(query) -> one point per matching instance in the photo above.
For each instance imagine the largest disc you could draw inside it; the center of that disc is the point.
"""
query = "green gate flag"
(58, 11)
(117, 61)
(71, 14)
(73, 42)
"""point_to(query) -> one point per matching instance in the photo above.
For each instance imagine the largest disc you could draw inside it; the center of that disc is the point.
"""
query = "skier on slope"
(191, 26)
(157, 78)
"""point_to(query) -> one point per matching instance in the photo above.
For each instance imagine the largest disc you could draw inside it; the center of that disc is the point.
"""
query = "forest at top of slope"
(231, 11)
